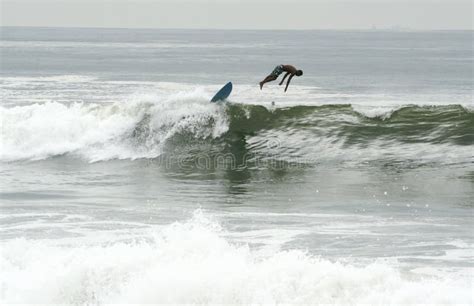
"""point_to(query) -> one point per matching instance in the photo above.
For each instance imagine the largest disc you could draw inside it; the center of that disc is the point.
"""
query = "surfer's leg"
(269, 78)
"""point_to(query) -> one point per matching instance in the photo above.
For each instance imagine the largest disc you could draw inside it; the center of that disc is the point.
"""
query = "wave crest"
(142, 128)
(136, 129)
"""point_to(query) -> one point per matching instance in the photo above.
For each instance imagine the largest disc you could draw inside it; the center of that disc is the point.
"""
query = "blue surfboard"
(223, 93)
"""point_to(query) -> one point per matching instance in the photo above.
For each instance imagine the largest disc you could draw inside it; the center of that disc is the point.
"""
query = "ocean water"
(121, 183)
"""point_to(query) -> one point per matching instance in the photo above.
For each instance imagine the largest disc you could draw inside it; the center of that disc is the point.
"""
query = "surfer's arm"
(289, 80)
(284, 77)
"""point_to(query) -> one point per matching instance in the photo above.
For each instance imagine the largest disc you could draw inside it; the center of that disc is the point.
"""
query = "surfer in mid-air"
(290, 71)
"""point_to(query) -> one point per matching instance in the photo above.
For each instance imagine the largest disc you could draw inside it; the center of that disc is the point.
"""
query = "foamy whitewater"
(122, 183)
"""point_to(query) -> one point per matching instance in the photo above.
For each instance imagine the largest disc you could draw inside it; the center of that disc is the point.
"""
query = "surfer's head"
(299, 72)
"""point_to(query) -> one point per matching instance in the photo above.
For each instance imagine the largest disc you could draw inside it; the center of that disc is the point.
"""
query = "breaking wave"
(146, 126)
(137, 129)
(193, 263)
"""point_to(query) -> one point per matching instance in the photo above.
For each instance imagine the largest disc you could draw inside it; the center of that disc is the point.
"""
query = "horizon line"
(368, 29)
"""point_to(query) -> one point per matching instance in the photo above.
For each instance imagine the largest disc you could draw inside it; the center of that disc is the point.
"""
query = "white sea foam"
(65, 78)
(172, 44)
(370, 111)
(193, 263)
(469, 107)
(100, 132)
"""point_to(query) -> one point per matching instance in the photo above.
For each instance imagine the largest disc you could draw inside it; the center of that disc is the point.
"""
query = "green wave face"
(332, 136)
(410, 124)
(191, 127)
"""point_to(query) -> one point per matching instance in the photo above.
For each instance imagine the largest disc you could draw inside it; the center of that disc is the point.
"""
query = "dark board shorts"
(277, 71)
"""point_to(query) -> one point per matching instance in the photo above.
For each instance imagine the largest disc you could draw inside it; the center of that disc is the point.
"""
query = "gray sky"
(240, 14)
